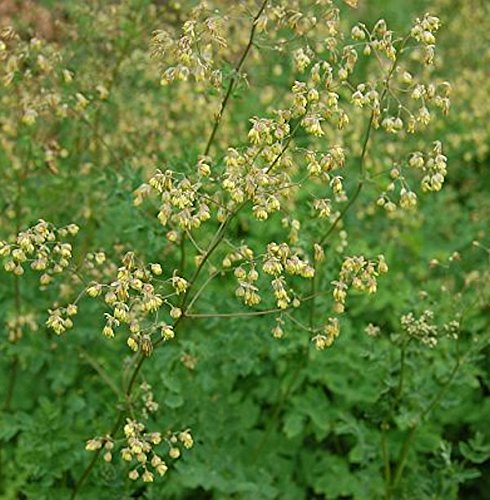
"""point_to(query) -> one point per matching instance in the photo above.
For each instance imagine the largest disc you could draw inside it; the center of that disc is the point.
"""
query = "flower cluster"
(42, 248)
(321, 164)
(181, 204)
(330, 332)
(59, 319)
(372, 330)
(193, 53)
(140, 447)
(424, 329)
(304, 19)
(421, 328)
(105, 443)
(148, 400)
(30, 66)
(279, 260)
(358, 273)
(134, 301)
(408, 93)
(423, 31)
(433, 167)
(17, 325)
(240, 254)
(470, 82)
(242, 260)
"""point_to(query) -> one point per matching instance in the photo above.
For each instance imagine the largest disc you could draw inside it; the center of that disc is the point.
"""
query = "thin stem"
(214, 244)
(235, 314)
(191, 239)
(98, 368)
(365, 143)
(234, 78)
(134, 375)
(298, 323)
(411, 434)
(360, 184)
(313, 302)
(337, 220)
(198, 293)
(88, 470)
(182, 254)
(391, 489)
(11, 383)
(386, 461)
(14, 367)
(401, 378)
(286, 145)
(279, 406)
(141, 359)
(401, 462)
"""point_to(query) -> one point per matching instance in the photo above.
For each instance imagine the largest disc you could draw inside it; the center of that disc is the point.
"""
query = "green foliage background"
(270, 419)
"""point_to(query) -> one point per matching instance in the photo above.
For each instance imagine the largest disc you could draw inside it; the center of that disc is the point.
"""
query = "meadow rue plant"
(272, 165)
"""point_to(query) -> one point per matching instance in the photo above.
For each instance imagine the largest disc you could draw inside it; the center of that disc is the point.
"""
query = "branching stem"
(212, 247)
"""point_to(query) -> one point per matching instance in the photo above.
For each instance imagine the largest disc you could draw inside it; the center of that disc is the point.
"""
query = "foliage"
(230, 266)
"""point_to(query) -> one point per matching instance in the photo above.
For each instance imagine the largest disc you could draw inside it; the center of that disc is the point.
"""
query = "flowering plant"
(242, 251)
